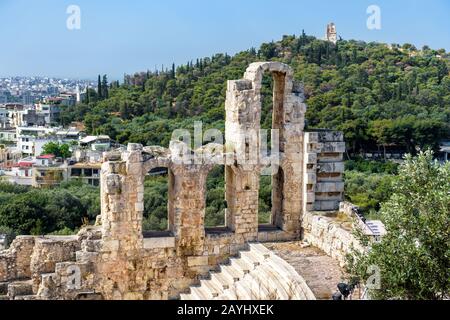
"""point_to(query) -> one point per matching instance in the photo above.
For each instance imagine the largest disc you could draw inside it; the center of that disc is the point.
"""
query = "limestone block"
(331, 136)
(110, 245)
(113, 185)
(338, 147)
(310, 178)
(313, 147)
(310, 197)
(311, 137)
(139, 206)
(330, 167)
(159, 243)
(197, 261)
(324, 205)
(330, 187)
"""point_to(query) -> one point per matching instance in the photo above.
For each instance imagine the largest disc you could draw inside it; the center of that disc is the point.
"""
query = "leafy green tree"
(57, 149)
(414, 256)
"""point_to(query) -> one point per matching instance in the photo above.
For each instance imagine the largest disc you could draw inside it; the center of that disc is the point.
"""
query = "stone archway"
(243, 114)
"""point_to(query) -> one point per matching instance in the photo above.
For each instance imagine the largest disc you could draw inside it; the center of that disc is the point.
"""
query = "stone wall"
(15, 262)
(330, 235)
(49, 251)
(324, 168)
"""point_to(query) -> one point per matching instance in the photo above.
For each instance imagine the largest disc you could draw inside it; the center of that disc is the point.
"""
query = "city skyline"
(118, 38)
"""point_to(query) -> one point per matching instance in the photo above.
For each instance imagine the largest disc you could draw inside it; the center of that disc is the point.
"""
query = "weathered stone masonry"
(113, 260)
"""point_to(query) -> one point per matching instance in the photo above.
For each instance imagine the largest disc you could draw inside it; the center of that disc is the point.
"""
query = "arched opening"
(216, 204)
(157, 186)
(271, 184)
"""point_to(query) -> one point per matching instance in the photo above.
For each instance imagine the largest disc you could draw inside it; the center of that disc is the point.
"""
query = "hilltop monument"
(331, 33)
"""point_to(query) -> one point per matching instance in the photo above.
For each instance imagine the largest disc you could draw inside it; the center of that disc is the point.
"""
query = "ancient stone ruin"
(115, 260)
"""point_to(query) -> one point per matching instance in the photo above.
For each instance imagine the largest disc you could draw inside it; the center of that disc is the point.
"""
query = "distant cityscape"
(30, 109)
(28, 90)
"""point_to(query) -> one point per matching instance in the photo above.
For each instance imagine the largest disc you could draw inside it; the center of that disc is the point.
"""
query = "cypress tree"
(172, 75)
(99, 88)
(105, 93)
(86, 99)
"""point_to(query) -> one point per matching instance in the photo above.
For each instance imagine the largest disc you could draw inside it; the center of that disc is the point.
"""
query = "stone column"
(243, 112)
(288, 183)
(187, 207)
(122, 200)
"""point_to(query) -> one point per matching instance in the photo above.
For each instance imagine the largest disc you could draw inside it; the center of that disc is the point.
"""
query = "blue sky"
(120, 36)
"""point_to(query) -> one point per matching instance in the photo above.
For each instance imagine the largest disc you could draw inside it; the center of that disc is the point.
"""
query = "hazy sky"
(120, 36)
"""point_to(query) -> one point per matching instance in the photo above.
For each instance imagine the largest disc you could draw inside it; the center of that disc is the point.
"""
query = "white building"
(96, 143)
(69, 135)
(50, 112)
(30, 140)
(21, 173)
(8, 135)
(4, 118)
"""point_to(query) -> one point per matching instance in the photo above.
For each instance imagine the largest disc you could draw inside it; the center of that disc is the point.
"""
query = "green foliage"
(64, 232)
(215, 198)
(367, 190)
(415, 254)
(265, 200)
(42, 211)
(377, 96)
(369, 183)
(155, 204)
(57, 149)
(370, 166)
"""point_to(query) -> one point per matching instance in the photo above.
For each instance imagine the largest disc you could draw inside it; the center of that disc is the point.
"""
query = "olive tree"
(413, 258)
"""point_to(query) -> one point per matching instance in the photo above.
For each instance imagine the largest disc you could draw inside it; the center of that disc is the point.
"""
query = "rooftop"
(90, 139)
(46, 156)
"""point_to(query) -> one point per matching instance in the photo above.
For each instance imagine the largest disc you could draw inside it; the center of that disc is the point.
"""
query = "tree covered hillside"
(377, 94)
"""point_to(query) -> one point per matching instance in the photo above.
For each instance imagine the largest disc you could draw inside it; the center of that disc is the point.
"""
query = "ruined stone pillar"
(187, 206)
(122, 200)
(243, 114)
(288, 183)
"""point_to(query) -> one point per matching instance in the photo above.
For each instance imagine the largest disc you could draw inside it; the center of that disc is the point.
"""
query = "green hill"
(377, 94)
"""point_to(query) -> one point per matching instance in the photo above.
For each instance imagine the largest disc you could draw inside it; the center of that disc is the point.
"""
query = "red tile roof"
(46, 156)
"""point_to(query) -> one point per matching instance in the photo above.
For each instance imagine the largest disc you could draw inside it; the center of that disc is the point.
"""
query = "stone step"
(288, 273)
(242, 290)
(27, 298)
(274, 283)
(240, 264)
(260, 249)
(4, 298)
(252, 257)
(213, 289)
(257, 274)
(232, 272)
(20, 288)
(258, 283)
(197, 293)
(222, 279)
(185, 296)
